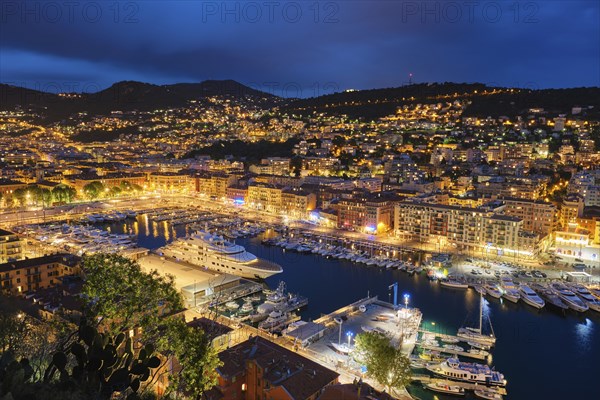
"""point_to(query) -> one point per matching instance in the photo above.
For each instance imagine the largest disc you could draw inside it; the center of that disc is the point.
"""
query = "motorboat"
(455, 369)
(478, 352)
(478, 346)
(487, 393)
(275, 319)
(453, 283)
(342, 347)
(588, 298)
(453, 348)
(432, 355)
(449, 339)
(442, 387)
(232, 305)
(570, 298)
(549, 297)
(492, 290)
(246, 308)
(509, 289)
(530, 297)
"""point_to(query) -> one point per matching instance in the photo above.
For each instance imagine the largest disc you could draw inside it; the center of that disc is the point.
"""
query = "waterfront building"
(538, 216)
(366, 212)
(468, 229)
(214, 184)
(169, 181)
(237, 193)
(297, 203)
(573, 244)
(264, 197)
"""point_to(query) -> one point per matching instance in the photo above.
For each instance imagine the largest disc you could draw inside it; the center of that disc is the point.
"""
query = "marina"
(346, 278)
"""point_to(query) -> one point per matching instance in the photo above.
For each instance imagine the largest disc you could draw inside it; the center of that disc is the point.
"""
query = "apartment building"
(469, 229)
(11, 246)
(169, 181)
(265, 197)
(366, 212)
(36, 273)
(297, 203)
(538, 216)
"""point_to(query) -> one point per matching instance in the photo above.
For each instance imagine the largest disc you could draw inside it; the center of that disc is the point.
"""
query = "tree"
(296, 165)
(45, 196)
(13, 328)
(384, 362)
(197, 357)
(63, 193)
(123, 296)
(115, 191)
(93, 190)
(20, 195)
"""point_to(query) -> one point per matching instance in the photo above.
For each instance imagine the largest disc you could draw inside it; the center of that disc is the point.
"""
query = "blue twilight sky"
(299, 48)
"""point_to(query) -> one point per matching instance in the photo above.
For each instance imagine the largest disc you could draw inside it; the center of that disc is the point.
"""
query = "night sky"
(299, 48)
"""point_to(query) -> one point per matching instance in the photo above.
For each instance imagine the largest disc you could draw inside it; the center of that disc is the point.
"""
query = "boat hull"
(434, 388)
(532, 303)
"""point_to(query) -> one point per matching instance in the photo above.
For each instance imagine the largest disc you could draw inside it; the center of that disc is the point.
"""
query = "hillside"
(130, 95)
(484, 100)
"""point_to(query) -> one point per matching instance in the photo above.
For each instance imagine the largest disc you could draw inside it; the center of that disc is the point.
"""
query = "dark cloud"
(345, 44)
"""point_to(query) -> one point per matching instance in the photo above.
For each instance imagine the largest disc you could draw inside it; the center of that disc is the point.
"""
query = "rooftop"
(299, 376)
(64, 258)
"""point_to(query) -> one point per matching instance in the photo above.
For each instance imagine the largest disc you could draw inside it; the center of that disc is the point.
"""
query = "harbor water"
(542, 354)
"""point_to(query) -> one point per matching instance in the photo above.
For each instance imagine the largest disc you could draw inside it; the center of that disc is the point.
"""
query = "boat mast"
(480, 312)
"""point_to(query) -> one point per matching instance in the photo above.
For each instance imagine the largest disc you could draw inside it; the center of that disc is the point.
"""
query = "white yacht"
(215, 253)
(509, 290)
(569, 297)
(492, 290)
(454, 283)
(442, 387)
(587, 297)
(277, 320)
(530, 297)
(455, 369)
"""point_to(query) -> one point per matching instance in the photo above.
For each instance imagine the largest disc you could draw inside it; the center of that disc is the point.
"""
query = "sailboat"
(475, 334)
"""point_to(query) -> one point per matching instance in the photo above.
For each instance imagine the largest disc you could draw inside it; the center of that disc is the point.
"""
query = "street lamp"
(406, 298)
(339, 321)
(349, 336)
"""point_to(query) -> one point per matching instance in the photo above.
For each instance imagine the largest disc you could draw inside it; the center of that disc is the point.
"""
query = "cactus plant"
(102, 363)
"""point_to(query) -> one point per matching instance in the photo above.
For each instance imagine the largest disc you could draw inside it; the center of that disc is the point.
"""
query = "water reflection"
(584, 332)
